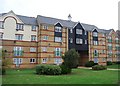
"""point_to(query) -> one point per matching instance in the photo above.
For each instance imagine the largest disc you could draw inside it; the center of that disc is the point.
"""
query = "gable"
(58, 24)
(78, 26)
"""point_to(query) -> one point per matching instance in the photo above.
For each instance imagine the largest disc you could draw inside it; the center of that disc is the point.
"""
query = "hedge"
(99, 67)
(65, 69)
(90, 64)
(45, 69)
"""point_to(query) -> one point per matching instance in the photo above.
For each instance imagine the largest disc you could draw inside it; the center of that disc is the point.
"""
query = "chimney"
(69, 17)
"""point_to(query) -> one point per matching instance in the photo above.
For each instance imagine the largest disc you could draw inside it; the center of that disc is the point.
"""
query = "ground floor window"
(58, 61)
(44, 60)
(109, 59)
(17, 61)
(95, 59)
(32, 60)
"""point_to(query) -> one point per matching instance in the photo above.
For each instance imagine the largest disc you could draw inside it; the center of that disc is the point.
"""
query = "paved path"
(91, 68)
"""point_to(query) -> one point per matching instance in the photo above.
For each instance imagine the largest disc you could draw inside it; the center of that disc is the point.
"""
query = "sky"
(101, 13)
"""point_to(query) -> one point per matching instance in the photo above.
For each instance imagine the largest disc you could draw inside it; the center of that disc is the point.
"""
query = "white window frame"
(33, 37)
(45, 27)
(78, 31)
(19, 26)
(71, 40)
(71, 30)
(45, 38)
(79, 41)
(95, 34)
(17, 61)
(44, 49)
(44, 60)
(34, 28)
(58, 29)
(19, 50)
(85, 32)
(58, 61)
(95, 42)
(19, 36)
(96, 60)
(58, 39)
(32, 60)
(32, 49)
(1, 35)
(58, 50)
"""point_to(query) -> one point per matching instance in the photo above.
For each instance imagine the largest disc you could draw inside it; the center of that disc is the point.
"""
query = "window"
(117, 47)
(79, 41)
(85, 41)
(33, 28)
(18, 51)
(58, 39)
(103, 51)
(1, 25)
(32, 49)
(109, 46)
(95, 34)
(95, 42)
(78, 31)
(17, 61)
(85, 33)
(1, 35)
(44, 60)
(103, 35)
(45, 27)
(95, 59)
(33, 38)
(104, 59)
(71, 40)
(57, 51)
(116, 40)
(44, 49)
(58, 61)
(19, 36)
(110, 54)
(103, 43)
(71, 30)
(95, 53)
(109, 39)
(32, 60)
(19, 27)
(58, 29)
(45, 38)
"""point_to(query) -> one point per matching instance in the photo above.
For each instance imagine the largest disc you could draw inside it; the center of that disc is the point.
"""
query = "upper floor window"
(95, 42)
(1, 25)
(57, 51)
(33, 28)
(95, 34)
(32, 49)
(78, 31)
(103, 35)
(96, 53)
(58, 39)
(1, 35)
(116, 40)
(85, 32)
(33, 37)
(85, 41)
(58, 29)
(45, 27)
(109, 39)
(71, 40)
(44, 49)
(19, 36)
(18, 51)
(71, 30)
(19, 27)
(109, 46)
(45, 38)
(79, 41)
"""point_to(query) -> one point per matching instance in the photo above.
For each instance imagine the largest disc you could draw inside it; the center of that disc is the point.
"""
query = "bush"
(65, 69)
(71, 58)
(2, 71)
(48, 69)
(99, 67)
(118, 62)
(90, 64)
(109, 63)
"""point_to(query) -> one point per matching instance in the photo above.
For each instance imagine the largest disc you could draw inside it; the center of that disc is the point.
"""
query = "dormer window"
(78, 31)
(95, 34)
(58, 29)
(19, 27)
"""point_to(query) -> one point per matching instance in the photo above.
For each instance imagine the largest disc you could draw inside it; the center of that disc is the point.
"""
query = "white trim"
(77, 24)
(57, 23)
(94, 29)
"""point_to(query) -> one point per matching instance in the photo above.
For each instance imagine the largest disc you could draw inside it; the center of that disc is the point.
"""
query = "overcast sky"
(102, 13)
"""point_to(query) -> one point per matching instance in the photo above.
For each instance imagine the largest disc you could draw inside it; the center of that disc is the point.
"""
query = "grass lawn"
(78, 76)
(114, 66)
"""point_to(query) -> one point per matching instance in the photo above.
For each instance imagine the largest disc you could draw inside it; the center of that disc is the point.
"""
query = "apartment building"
(28, 41)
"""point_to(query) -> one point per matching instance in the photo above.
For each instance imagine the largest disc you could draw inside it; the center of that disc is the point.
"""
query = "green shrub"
(109, 63)
(118, 62)
(90, 64)
(65, 69)
(2, 71)
(99, 67)
(46, 69)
